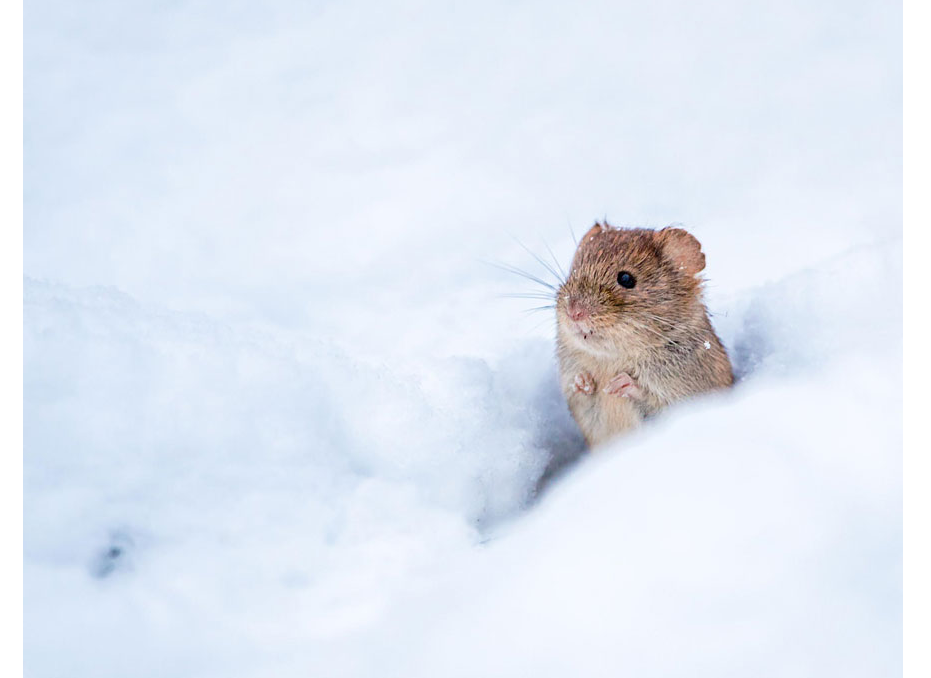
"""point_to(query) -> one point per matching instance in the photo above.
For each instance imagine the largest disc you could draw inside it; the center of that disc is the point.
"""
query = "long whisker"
(563, 277)
(528, 295)
(675, 325)
(682, 332)
(657, 318)
(534, 297)
(659, 334)
(537, 325)
(540, 308)
(523, 274)
(542, 262)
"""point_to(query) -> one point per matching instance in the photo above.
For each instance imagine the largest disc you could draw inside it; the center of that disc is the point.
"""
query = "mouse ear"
(682, 248)
(594, 230)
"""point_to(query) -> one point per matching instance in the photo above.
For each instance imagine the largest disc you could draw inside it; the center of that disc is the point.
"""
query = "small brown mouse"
(633, 333)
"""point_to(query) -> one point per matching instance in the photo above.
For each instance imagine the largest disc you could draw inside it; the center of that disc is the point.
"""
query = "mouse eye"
(625, 279)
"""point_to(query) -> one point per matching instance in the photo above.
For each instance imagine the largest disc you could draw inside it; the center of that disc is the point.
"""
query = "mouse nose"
(576, 310)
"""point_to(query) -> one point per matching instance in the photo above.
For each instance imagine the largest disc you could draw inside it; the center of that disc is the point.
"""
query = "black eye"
(625, 279)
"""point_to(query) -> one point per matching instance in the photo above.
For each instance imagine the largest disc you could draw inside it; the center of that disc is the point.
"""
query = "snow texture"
(279, 420)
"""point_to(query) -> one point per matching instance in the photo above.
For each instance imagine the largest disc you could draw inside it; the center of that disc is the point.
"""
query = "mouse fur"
(626, 353)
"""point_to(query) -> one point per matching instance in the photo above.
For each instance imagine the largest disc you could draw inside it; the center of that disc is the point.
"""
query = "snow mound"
(210, 500)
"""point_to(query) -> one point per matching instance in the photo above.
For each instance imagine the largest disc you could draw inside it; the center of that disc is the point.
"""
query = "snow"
(279, 419)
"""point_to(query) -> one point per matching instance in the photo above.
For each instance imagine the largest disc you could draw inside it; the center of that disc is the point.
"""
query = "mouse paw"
(584, 383)
(623, 385)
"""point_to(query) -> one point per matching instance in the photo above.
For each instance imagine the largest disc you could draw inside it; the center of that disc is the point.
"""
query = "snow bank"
(280, 422)
(163, 448)
(208, 501)
(757, 533)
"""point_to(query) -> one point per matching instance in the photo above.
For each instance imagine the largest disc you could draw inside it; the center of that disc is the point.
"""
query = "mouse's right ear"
(682, 248)
(593, 231)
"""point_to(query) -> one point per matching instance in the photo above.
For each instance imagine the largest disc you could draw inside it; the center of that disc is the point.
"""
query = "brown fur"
(658, 332)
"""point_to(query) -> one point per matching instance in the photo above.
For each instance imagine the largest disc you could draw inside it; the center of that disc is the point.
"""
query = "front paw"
(623, 385)
(584, 383)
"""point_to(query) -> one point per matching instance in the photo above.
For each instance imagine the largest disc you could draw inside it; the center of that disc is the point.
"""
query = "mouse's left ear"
(682, 248)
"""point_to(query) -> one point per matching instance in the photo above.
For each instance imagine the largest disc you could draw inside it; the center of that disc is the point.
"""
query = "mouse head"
(630, 287)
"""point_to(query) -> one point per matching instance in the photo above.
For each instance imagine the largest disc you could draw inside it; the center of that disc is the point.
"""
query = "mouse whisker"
(682, 330)
(539, 324)
(560, 279)
(659, 334)
(575, 238)
(665, 321)
(528, 295)
(563, 276)
(523, 274)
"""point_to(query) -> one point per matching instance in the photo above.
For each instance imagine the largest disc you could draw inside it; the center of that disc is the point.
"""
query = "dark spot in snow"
(113, 556)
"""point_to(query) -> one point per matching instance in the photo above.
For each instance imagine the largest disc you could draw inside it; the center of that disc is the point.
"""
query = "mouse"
(633, 332)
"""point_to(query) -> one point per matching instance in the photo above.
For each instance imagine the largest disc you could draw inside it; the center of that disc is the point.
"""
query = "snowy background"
(279, 420)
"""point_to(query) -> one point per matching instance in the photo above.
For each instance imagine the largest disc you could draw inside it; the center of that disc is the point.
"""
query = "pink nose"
(576, 311)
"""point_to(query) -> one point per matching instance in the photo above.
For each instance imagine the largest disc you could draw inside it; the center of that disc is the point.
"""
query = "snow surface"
(279, 420)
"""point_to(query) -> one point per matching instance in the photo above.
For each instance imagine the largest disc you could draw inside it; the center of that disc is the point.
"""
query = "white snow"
(280, 422)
